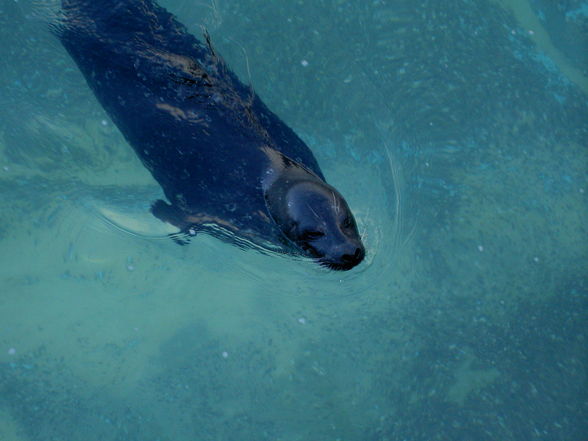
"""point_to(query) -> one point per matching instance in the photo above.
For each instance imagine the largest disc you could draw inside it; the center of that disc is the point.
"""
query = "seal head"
(315, 218)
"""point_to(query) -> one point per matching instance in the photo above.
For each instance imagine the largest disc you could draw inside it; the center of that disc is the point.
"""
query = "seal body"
(217, 151)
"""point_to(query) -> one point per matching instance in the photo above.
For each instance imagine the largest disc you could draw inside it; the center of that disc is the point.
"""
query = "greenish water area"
(457, 130)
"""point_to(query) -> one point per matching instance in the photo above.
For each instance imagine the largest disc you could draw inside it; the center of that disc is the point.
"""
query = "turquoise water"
(456, 130)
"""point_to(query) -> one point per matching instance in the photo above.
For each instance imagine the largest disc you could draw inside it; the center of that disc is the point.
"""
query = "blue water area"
(458, 136)
(567, 24)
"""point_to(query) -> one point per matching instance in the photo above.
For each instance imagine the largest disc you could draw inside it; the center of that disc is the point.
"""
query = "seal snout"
(354, 258)
(344, 257)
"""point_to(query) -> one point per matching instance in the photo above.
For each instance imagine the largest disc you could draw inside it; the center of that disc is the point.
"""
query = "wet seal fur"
(227, 165)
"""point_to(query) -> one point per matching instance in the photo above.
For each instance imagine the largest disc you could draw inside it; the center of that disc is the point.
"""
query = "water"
(457, 132)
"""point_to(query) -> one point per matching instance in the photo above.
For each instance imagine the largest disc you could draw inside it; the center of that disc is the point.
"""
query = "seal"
(227, 165)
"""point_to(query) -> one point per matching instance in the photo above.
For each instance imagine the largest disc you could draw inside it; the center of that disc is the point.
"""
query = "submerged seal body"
(227, 165)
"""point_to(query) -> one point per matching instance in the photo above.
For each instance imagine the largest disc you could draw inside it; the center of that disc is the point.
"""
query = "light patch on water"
(534, 28)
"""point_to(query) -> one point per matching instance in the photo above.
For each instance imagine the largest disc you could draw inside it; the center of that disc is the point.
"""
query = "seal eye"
(347, 223)
(311, 235)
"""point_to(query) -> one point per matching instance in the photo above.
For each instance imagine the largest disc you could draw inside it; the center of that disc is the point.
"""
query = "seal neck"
(282, 170)
(280, 177)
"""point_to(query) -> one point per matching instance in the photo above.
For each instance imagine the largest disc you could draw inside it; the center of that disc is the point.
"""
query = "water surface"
(457, 132)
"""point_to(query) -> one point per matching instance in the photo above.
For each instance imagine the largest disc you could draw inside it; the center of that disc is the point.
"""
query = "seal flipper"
(168, 213)
(174, 216)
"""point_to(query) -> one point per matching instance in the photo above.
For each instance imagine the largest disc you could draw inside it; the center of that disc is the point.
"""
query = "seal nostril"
(352, 258)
